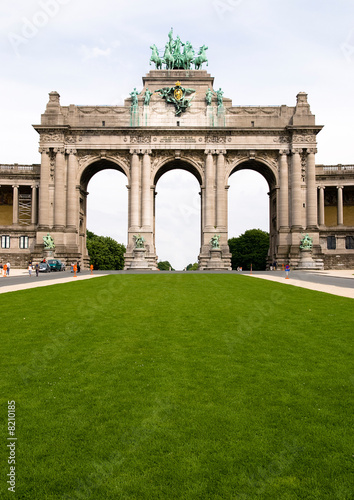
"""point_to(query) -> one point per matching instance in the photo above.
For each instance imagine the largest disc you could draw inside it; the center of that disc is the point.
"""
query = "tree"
(193, 267)
(250, 248)
(164, 265)
(105, 253)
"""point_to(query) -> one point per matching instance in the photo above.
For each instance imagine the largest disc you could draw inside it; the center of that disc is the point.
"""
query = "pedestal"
(48, 253)
(139, 261)
(306, 261)
(215, 262)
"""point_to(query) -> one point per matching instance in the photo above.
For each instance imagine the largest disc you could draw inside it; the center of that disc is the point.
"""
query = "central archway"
(177, 212)
(90, 174)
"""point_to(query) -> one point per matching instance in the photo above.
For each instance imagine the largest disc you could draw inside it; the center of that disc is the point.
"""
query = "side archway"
(268, 170)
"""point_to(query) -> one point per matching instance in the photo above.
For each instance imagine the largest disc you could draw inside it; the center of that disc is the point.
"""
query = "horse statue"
(201, 57)
(188, 55)
(155, 58)
(168, 58)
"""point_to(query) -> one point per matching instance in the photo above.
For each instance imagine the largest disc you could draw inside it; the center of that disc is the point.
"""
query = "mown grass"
(178, 386)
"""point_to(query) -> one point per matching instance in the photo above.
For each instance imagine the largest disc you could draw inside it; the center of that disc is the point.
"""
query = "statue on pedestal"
(306, 243)
(139, 241)
(48, 242)
(215, 241)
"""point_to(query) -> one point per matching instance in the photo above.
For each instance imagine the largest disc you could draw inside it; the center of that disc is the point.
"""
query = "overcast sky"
(260, 52)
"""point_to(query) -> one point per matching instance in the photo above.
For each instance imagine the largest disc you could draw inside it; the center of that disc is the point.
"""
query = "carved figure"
(219, 98)
(134, 96)
(215, 241)
(139, 241)
(155, 58)
(306, 243)
(208, 96)
(147, 96)
(201, 57)
(48, 242)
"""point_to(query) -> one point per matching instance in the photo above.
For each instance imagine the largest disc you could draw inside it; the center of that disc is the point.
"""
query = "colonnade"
(340, 205)
(15, 203)
(295, 197)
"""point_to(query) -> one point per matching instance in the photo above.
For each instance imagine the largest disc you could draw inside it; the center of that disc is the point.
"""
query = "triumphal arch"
(178, 120)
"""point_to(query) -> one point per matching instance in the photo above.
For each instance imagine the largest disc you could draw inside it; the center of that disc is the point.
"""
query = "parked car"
(44, 267)
(56, 265)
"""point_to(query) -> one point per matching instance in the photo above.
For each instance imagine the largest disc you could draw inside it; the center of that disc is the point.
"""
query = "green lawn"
(178, 386)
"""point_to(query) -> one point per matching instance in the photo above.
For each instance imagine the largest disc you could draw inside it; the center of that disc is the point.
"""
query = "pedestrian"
(5, 270)
(37, 269)
(78, 267)
(8, 268)
(30, 270)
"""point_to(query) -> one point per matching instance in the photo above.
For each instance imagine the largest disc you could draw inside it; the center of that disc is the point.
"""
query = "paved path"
(334, 282)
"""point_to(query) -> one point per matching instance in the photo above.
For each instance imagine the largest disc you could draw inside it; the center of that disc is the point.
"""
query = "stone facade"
(211, 141)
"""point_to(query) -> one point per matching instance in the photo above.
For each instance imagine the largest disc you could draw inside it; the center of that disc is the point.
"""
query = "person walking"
(37, 269)
(8, 268)
(30, 270)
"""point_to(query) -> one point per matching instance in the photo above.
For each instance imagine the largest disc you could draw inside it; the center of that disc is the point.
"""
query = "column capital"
(59, 150)
(71, 151)
(321, 187)
(295, 151)
(340, 187)
(34, 186)
(15, 186)
(311, 151)
(220, 151)
(283, 152)
(146, 151)
(43, 150)
(134, 151)
(210, 152)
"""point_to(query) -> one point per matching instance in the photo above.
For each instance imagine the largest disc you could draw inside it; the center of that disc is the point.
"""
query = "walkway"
(334, 282)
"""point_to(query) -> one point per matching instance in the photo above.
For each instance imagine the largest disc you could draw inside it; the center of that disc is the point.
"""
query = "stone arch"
(267, 168)
(173, 163)
(88, 167)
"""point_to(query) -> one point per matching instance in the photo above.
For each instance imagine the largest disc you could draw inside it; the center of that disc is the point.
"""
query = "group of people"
(5, 269)
(33, 267)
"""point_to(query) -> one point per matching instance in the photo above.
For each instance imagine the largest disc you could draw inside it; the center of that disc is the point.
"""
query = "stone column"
(59, 190)
(321, 216)
(72, 215)
(43, 214)
(296, 190)
(283, 190)
(34, 205)
(340, 206)
(134, 208)
(14, 204)
(221, 193)
(311, 198)
(146, 216)
(209, 192)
